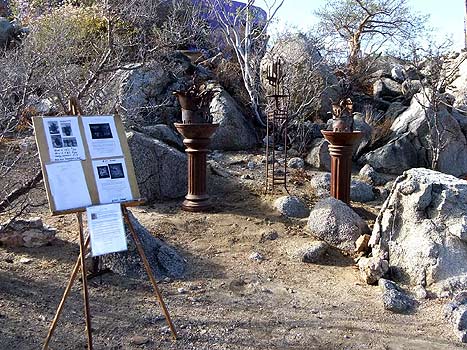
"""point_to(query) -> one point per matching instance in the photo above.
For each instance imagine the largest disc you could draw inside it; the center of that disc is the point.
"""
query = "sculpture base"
(197, 139)
(197, 205)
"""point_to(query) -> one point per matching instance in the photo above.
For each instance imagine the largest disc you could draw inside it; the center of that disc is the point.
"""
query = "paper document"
(68, 185)
(102, 137)
(112, 180)
(64, 139)
(106, 229)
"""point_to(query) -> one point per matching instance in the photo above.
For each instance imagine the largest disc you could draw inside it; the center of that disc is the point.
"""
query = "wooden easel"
(80, 264)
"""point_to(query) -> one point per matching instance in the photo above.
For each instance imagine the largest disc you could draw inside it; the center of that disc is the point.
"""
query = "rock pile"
(28, 233)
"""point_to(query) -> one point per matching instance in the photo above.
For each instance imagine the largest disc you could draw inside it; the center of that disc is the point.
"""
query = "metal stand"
(276, 129)
(80, 264)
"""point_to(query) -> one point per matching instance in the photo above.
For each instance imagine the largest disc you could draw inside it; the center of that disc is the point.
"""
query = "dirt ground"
(226, 300)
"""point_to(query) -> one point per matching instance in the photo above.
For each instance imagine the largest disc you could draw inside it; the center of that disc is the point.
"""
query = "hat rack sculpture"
(276, 127)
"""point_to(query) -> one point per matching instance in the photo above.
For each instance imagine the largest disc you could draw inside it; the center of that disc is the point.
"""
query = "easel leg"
(87, 314)
(149, 272)
(72, 279)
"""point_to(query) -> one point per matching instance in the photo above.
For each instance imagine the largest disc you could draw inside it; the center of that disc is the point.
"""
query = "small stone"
(164, 330)
(420, 292)
(247, 177)
(394, 298)
(251, 165)
(296, 163)
(182, 291)
(269, 235)
(313, 253)
(256, 256)
(372, 269)
(25, 260)
(361, 245)
(139, 340)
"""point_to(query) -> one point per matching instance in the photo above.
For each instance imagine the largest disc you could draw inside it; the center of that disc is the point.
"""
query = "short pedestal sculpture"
(341, 140)
(196, 139)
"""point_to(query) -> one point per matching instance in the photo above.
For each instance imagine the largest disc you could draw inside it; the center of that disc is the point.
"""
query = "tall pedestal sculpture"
(341, 140)
(340, 150)
(197, 137)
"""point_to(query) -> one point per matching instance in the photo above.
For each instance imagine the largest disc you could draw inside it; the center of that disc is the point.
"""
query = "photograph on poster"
(53, 127)
(102, 137)
(70, 142)
(112, 180)
(100, 131)
(63, 139)
(116, 171)
(57, 141)
(103, 172)
(67, 185)
(106, 229)
(66, 129)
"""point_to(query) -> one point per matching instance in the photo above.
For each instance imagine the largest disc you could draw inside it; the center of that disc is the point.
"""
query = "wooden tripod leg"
(149, 272)
(87, 314)
(72, 279)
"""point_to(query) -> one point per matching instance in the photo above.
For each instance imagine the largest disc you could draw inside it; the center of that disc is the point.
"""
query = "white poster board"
(106, 229)
(85, 160)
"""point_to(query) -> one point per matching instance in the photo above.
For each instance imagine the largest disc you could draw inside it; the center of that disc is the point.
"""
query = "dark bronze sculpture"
(342, 116)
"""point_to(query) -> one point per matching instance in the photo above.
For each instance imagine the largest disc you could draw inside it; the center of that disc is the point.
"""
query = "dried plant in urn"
(342, 116)
(194, 101)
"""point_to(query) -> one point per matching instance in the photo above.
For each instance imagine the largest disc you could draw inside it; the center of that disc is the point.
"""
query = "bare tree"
(433, 98)
(370, 22)
(246, 33)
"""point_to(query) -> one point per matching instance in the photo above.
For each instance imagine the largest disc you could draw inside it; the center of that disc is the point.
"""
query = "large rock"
(456, 313)
(411, 143)
(6, 31)
(336, 223)
(422, 228)
(319, 157)
(387, 89)
(235, 131)
(361, 125)
(165, 134)
(370, 175)
(164, 260)
(458, 87)
(291, 206)
(321, 184)
(361, 192)
(142, 95)
(161, 171)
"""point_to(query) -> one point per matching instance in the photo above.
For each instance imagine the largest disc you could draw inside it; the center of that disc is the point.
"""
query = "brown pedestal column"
(196, 139)
(340, 149)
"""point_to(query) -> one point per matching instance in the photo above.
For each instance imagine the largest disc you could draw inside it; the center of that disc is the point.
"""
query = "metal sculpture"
(276, 128)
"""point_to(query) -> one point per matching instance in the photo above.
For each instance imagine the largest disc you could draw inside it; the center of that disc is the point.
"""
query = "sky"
(446, 16)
